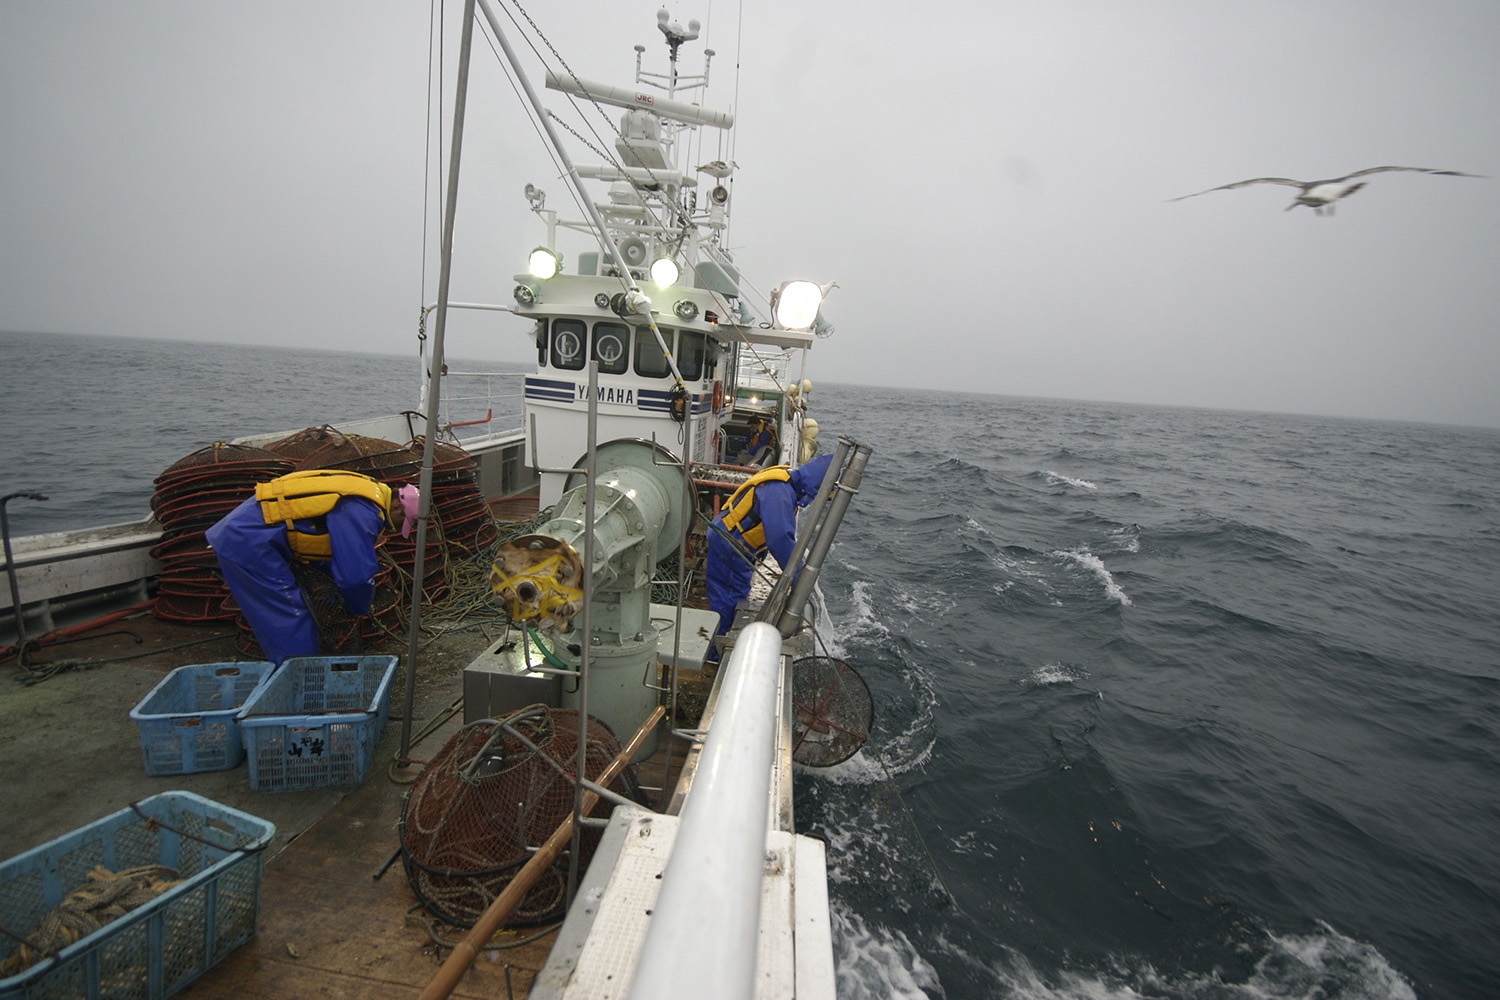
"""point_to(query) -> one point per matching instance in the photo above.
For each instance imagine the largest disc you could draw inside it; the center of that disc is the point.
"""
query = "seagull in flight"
(1320, 195)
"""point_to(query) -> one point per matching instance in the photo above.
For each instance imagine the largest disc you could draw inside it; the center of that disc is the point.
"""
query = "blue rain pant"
(726, 577)
(256, 562)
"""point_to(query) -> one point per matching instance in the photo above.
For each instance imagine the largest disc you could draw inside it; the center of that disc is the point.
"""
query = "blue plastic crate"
(187, 722)
(158, 948)
(316, 722)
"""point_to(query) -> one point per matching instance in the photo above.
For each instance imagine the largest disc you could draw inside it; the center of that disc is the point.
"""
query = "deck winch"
(640, 514)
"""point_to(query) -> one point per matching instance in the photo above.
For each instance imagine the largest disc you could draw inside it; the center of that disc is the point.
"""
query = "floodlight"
(686, 309)
(525, 295)
(795, 304)
(665, 272)
(543, 263)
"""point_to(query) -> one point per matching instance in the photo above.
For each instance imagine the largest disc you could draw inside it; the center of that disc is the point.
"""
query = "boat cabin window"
(567, 344)
(691, 351)
(612, 348)
(649, 362)
(712, 363)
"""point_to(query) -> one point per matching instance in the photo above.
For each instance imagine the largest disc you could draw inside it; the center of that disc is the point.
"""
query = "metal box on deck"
(697, 633)
(500, 680)
(159, 947)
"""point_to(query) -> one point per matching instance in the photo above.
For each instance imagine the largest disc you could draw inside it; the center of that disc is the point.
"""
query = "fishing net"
(190, 497)
(833, 711)
(467, 521)
(488, 800)
(377, 458)
(299, 445)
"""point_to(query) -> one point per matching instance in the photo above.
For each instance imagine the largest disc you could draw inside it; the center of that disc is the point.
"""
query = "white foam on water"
(1058, 477)
(864, 619)
(1324, 965)
(1095, 565)
(873, 962)
(1126, 539)
(1054, 673)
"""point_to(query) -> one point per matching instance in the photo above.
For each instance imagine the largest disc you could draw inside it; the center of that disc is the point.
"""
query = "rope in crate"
(106, 896)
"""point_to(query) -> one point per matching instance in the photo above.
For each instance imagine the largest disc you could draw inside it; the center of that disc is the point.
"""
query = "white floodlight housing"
(665, 272)
(795, 304)
(525, 295)
(543, 263)
(686, 309)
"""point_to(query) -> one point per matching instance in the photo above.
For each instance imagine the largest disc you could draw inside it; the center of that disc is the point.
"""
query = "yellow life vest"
(312, 494)
(741, 501)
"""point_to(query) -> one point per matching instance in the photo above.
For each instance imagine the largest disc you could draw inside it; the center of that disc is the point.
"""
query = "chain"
(603, 114)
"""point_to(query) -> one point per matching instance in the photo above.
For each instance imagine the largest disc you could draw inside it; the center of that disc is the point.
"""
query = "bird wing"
(1420, 170)
(1240, 184)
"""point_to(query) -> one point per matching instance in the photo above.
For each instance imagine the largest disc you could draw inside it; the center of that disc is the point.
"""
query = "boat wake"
(878, 962)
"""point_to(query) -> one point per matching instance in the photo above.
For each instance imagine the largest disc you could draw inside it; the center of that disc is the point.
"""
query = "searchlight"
(795, 304)
(665, 272)
(543, 263)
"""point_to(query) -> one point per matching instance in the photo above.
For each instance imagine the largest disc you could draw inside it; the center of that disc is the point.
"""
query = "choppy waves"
(1173, 709)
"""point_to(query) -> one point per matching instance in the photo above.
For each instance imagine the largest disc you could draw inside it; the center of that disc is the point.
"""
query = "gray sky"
(985, 181)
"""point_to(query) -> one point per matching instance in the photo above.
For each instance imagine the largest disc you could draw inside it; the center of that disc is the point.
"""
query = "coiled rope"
(106, 896)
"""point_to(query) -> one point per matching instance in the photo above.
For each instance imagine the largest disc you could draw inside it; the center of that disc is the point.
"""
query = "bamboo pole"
(467, 950)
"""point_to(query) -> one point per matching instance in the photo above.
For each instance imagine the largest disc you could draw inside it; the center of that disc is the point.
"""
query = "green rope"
(931, 861)
(35, 675)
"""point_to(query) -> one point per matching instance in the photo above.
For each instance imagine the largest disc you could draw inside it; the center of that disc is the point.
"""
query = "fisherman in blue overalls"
(326, 519)
(759, 517)
(758, 445)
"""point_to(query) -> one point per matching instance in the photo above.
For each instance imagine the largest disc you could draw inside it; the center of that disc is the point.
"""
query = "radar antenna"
(676, 35)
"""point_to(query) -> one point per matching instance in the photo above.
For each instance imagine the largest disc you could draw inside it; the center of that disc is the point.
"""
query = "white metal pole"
(706, 921)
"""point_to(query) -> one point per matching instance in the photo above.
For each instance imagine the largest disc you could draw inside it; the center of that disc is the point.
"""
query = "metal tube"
(10, 570)
(706, 921)
(689, 505)
(808, 577)
(434, 380)
(590, 498)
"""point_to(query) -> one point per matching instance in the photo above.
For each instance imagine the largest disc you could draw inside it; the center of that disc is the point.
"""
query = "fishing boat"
(663, 382)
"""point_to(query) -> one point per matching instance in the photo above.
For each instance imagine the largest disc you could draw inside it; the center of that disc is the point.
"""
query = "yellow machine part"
(538, 578)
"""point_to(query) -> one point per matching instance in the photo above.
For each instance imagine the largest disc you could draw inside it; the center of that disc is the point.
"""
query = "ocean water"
(1169, 703)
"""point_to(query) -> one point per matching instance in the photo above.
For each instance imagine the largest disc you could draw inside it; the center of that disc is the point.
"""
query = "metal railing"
(483, 400)
(706, 921)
